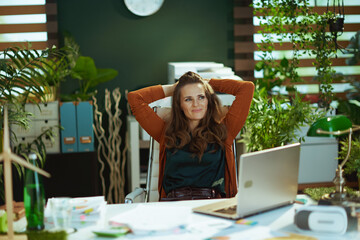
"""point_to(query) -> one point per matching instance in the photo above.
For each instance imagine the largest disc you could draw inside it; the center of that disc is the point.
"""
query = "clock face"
(143, 7)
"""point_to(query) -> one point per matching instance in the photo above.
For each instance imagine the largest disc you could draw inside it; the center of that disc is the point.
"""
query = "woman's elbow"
(131, 97)
(251, 86)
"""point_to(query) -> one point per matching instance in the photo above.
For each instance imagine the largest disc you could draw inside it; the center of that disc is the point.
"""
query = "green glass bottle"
(34, 197)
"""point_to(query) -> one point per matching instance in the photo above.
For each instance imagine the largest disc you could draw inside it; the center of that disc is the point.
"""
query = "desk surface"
(198, 225)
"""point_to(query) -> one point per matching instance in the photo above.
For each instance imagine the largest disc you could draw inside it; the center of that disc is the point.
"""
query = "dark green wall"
(140, 47)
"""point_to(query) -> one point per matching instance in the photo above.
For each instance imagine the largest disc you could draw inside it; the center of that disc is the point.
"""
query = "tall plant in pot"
(24, 74)
(275, 120)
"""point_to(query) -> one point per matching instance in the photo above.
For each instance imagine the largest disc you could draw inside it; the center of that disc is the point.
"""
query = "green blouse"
(183, 169)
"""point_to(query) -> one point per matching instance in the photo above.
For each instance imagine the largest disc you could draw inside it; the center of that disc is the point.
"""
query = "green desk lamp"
(330, 127)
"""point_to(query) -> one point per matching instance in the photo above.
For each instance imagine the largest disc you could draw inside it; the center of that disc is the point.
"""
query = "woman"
(196, 159)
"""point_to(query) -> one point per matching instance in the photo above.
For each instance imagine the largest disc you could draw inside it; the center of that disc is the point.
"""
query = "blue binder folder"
(85, 133)
(68, 122)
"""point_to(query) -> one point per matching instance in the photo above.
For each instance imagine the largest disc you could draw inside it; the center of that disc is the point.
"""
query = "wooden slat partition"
(18, 10)
(50, 26)
(244, 45)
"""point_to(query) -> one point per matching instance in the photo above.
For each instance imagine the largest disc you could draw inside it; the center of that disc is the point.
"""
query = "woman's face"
(193, 102)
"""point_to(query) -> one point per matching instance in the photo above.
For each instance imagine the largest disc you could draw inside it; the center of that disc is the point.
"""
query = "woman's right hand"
(169, 89)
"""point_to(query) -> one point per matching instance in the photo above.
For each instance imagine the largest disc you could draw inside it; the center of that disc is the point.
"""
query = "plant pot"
(50, 95)
(336, 25)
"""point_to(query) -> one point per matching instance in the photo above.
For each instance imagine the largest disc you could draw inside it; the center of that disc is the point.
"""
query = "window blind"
(23, 21)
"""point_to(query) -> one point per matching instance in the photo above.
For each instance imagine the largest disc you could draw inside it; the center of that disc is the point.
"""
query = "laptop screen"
(268, 179)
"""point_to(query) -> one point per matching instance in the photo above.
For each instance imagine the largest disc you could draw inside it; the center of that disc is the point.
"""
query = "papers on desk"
(179, 222)
(153, 218)
(160, 221)
(169, 219)
(86, 211)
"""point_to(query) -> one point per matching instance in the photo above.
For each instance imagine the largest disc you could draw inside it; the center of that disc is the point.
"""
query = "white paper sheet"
(153, 217)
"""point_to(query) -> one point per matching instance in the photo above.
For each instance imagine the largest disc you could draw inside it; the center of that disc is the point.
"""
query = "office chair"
(150, 192)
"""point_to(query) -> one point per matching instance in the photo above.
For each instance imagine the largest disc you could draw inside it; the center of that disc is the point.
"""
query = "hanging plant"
(279, 23)
(294, 21)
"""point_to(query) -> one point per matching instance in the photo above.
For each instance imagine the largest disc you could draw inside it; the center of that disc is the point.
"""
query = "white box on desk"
(318, 159)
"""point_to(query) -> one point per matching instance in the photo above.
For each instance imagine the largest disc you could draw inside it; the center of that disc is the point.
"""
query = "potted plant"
(23, 77)
(84, 70)
(353, 163)
(273, 120)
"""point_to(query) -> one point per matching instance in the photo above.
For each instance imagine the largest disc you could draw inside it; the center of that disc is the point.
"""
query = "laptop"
(268, 179)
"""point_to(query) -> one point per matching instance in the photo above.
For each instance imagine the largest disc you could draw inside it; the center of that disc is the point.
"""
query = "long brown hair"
(210, 128)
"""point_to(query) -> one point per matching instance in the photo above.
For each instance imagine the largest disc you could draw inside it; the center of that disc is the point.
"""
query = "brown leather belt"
(191, 193)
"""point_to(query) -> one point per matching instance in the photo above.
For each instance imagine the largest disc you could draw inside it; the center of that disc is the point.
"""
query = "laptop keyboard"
(227, 210)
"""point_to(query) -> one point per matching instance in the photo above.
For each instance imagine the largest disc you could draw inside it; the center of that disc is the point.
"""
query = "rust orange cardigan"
(234, 120)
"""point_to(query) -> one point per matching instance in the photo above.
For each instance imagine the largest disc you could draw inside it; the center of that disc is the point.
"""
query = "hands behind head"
(164, 113)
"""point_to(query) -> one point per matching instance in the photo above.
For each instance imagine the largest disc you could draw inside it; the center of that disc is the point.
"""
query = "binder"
(85, 133)
(68, 123)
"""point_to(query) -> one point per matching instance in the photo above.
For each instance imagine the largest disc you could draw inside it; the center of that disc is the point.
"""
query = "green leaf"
(85, 68)
(284, 63)
(103, 75)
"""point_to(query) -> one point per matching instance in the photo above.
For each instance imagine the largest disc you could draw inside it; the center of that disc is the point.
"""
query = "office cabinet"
(72, 175)
(45, 116)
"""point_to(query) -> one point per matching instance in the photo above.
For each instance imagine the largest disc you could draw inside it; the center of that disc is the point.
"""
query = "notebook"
(267, 179)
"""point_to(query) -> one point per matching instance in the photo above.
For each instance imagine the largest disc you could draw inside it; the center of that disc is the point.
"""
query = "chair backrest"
(153, 173)
(162, 108)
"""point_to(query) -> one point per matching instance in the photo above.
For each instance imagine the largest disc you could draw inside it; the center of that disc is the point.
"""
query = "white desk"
(280, 220)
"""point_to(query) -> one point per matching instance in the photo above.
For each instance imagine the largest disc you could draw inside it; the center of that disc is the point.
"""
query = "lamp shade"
(330, 124)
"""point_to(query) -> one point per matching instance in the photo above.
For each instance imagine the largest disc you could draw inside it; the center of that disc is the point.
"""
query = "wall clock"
(143, 7)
